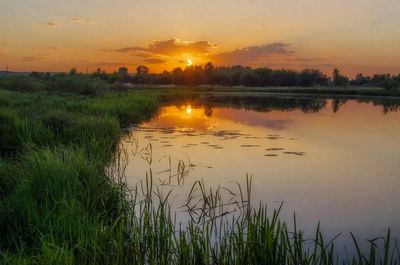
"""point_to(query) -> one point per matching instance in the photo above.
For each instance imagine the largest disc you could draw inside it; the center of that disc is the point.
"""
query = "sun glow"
(189, 62)
(188, 109)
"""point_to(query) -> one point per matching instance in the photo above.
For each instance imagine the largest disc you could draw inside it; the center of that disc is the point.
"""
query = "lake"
(334, 161)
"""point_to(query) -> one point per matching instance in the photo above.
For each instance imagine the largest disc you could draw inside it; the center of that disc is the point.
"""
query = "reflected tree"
(208, 111)
(337, 103)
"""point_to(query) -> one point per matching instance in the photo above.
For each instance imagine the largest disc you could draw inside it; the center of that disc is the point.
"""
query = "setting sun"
(189, 62)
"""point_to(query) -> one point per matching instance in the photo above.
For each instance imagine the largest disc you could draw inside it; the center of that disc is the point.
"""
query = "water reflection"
(267, 103)
(330, 160)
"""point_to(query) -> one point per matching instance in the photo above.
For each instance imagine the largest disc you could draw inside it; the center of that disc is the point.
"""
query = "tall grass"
(63, 200)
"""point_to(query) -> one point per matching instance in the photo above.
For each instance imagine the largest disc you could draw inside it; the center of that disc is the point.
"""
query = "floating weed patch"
(295, 153)
(275, 149)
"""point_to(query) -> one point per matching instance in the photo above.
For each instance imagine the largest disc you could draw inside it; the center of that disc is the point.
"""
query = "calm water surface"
(333, 161)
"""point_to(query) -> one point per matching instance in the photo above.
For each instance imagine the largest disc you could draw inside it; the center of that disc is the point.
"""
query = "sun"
(189, 62)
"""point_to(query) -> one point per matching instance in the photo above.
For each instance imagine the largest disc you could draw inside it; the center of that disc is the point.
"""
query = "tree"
(142, 70)
(73, 71)
(338, 79)
(311, 77)
(360, 80)
(123, 71)
(123, 75)
(208, 73)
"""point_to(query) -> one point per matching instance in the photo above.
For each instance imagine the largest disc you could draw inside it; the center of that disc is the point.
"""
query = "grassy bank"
(329, 91)
(62, 201)
(57, 206)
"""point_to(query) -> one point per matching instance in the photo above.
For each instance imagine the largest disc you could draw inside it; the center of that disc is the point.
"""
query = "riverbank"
(328, 91)
(57, 204)
(62, 200)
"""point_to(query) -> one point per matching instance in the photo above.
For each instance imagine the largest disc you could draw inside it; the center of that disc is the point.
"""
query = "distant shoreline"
(329, 91)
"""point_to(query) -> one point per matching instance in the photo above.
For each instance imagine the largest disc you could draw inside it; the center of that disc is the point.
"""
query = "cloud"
(270, 54)
(155, 61)
(82, 21)
(29, 59)
(306, 60)
(251, 54)
(170, 48)
(52, 48)
(108, 64)
(49, 24)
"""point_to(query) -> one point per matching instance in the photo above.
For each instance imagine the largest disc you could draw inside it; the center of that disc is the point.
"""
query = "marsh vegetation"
(64, 198)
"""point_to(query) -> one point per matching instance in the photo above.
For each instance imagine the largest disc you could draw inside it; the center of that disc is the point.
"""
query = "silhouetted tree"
(142, 70)
(142, 73)
(338, 79)
(101, 74)
(73, 71)
(241, 75)
(208, 111)
(311, 77)
(360, 80)
(123, 71)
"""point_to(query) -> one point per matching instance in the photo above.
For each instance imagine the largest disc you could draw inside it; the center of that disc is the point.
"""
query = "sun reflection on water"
(188, 109)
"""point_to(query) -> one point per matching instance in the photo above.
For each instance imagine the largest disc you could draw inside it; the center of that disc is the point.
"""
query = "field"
(63, 199)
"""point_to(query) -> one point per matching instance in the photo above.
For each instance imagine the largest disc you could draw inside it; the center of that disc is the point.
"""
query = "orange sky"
(356, 36)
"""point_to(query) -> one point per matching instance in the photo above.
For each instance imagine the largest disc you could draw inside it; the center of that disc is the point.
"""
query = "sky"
(359, 36)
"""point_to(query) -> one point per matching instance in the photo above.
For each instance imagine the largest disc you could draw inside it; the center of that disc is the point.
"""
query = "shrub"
(10, 128)
(22, 83)
(79, 84)
(391, 84)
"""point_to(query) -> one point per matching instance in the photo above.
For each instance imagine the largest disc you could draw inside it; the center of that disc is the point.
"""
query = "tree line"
(246, 76)
(93, 83)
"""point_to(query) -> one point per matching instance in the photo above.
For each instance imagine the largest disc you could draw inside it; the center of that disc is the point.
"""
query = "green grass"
(318, 90)
(64, 201)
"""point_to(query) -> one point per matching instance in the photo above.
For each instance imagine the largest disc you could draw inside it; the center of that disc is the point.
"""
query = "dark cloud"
(124, 50)
(297, 65)
(29, 59)
(172, 47)
(112, 64)
(132, 52)
(306, 60)
(49, 24)
(155, 61)
(251, 54)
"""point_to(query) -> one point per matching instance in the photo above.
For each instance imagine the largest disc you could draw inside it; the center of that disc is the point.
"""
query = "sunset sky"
(53, 35)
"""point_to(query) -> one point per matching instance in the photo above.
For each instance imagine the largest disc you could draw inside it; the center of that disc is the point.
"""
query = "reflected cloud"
(49, 24)
(253, 118)
(82, 21)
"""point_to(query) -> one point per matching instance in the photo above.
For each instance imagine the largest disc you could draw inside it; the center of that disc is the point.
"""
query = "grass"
(63, 200)
(318, 90)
